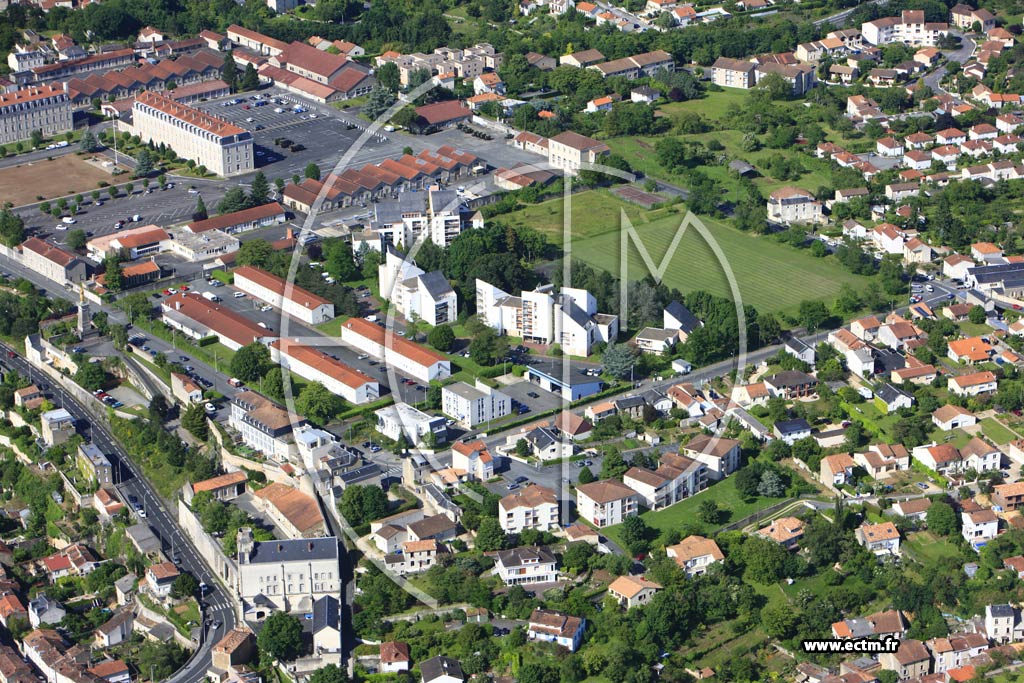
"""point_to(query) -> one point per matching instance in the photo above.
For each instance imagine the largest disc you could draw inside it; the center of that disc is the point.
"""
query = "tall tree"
(194, 421)
(250, 79)
(388, 77)
(143, 163)
(200, 213)
(618, 360)
(251, 362)
(318, 404)
(281, 637)
(259, 193)
(312, 171)
(229, 73)
(113, 274)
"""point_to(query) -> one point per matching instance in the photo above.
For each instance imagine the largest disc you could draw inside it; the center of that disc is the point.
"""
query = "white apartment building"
(569, 318)
(522, 566)
(289, 574)
(222, 147)
(23, 60)
(314, 365)
(790, 205)
(909, 28)
(606, 503)
(441, 214)
(401, 418)
(570, 151)
(473, 405)
(534, 507)
(45, 108)
(262, 424)
(406, 357)
(290, 298)
(415, 294)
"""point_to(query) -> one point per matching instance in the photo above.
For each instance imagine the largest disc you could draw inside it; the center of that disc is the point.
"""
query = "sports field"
(49, 178)
(770, 276)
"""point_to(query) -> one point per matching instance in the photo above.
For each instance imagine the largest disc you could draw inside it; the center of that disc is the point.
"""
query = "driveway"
(933, 79)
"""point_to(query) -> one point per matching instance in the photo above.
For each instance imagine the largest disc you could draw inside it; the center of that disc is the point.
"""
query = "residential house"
(881, 539)
(632, 591)
(694, 554)
(910, 660)
(555, 627)
(786, 531)
(973, 384)
(950, 417)
(793, 430)
(836, 470)
(979, 527)
(473, 459)
(526, 565)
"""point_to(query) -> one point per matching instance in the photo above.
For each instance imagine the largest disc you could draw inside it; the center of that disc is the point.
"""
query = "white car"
(238, 295)
(267, 308)
(69, 220)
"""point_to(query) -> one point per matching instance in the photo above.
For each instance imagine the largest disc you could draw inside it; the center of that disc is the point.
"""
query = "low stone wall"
(223, 566)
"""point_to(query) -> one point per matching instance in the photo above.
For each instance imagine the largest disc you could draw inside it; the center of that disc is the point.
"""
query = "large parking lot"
(322, 133)
(161, 207)
(326, 133)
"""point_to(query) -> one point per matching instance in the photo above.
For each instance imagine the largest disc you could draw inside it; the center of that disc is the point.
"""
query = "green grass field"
(996, 431)
(734, 507)
(639, 150)
(767, 273)
(927, 548)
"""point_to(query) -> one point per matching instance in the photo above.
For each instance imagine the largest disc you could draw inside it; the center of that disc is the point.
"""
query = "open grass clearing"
(770, 276)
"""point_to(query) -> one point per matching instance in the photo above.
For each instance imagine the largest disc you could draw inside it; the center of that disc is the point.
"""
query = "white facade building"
(314, 365)
(286, 575)
(220, 146)
(474, 405)
(290, 298)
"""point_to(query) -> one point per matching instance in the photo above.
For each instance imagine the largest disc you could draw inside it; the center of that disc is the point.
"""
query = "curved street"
(218, 612)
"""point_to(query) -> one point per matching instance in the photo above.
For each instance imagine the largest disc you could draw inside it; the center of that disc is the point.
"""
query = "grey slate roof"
(435, 667)
(1001, 610)
(436, 284)
(792, 426)
(294, 550)
(326, 614)
(688, 322)
(390, 211)
(889, 393)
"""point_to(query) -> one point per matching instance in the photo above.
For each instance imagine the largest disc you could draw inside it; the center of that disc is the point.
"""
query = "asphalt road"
(961, 55)
(216, 605)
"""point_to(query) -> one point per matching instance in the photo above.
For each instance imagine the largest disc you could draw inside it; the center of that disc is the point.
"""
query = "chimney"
(290, 234)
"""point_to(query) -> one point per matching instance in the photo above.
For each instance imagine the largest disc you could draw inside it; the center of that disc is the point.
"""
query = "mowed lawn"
(770, 276)
(732, 506)
(997, 431)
